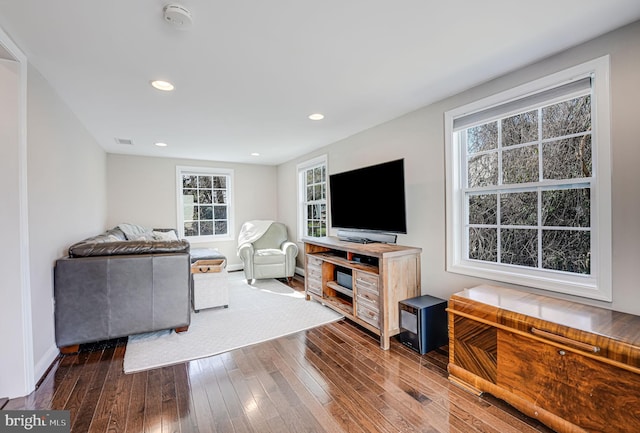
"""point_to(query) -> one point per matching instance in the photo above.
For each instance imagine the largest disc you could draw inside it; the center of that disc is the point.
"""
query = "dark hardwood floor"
(334, 378)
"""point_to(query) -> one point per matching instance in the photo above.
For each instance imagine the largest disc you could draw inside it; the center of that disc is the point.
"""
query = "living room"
(62, 186)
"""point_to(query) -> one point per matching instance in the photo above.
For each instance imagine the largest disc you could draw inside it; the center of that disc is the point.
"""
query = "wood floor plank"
(397, 405)
(252, 411)
(170, 419)
(333, 379)
(81, 403)
(99, 423)
(228, 393)
(87, 408)
(295, 415)
(360, 380)
(298, 350)
(438, 392)
(283, 422)
(218, 410)
(262, 385)
(348, 392)
(306, 390)
(199, 399)
(137, 403)
(153, 402)
(118, 414)
(186, 408)
(64, 380)
(380, 360)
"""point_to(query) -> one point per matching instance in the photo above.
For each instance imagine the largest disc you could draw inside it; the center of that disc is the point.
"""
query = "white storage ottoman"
(210, 286)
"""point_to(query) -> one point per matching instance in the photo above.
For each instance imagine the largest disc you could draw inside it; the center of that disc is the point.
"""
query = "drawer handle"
(364, 282)
(564, 340)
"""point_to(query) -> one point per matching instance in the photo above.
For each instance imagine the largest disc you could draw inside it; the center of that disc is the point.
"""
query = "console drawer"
(314, 264)
(367, 281)
(368, 313)
(313, 275)
(368, 295)
(314, 285)
(314, 272)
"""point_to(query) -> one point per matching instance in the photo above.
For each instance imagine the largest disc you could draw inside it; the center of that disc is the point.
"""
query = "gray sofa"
(113, 286)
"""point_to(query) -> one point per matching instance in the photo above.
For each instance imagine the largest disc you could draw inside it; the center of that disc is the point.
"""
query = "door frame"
(22, 382)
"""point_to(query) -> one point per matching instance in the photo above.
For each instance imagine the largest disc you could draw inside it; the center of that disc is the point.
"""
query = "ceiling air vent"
(127, 141)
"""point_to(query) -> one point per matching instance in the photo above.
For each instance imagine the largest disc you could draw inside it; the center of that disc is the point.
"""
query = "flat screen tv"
(370, 199)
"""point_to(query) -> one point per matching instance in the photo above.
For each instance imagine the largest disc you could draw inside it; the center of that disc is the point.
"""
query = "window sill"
(586, 287)
(207, 239)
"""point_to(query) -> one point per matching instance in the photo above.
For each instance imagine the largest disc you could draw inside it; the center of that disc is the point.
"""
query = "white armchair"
(265, 250)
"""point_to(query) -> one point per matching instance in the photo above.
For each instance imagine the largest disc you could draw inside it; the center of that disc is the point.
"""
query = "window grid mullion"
(539, 189)
(464, 239)
(499, 197)
(539, 227)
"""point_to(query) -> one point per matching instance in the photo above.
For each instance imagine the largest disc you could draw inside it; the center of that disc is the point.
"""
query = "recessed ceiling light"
(160, 144)
(316, 116)
(162, 85)
(255, 154)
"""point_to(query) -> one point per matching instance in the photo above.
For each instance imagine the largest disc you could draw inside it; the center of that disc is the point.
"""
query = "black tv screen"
(370, 198)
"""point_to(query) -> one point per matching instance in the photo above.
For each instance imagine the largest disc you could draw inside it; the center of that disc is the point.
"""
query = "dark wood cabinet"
(572, 366)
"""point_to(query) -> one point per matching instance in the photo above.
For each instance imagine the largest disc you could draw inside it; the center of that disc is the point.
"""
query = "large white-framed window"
(205, 198)
(529, 184)
(312, 197)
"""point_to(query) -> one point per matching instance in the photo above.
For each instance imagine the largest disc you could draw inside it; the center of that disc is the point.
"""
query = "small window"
(528, 199)
(204, 203)
(312, 193)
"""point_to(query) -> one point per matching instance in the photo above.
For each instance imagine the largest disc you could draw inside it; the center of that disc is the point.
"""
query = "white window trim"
(300, 168)
(182, 170)
(598, 284)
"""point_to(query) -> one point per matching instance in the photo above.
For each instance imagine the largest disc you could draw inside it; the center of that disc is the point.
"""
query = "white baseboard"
(45, 362)
(300, 271)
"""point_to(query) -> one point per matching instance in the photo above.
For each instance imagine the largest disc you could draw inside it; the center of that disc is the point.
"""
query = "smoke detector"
(178, 16)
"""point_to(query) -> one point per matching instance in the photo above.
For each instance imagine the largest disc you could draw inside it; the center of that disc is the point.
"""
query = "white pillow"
(165, 236)
(133, 231)
(143, 237)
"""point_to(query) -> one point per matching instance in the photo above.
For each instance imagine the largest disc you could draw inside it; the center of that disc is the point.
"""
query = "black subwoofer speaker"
(423, 323)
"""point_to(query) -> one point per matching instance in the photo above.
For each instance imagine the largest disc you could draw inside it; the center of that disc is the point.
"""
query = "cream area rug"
(259, 312)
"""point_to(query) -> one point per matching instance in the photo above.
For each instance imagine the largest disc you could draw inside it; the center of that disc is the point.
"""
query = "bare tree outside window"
(315, 201)
(527, 196)
(205, 205)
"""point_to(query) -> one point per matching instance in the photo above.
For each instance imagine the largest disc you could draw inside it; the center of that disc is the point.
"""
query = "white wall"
(142, 190)
(419, 138)
(67, 199)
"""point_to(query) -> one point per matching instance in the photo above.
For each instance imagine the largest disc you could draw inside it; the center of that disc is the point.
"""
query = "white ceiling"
(249, 72)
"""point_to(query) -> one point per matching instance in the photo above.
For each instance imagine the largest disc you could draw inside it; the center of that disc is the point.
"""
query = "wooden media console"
(380, 275)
